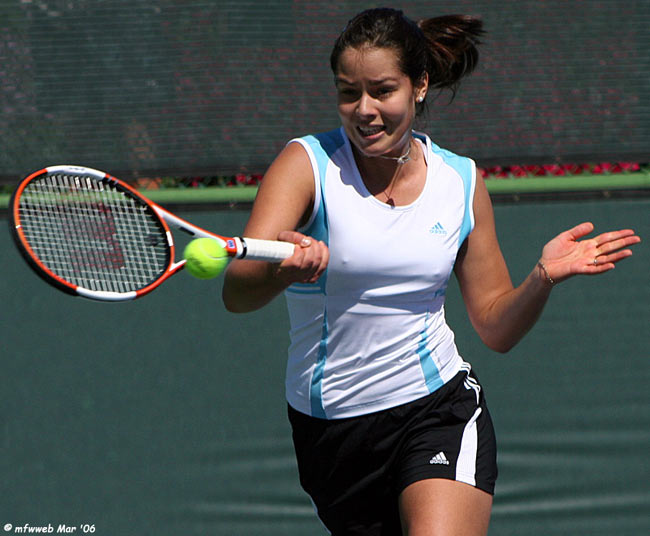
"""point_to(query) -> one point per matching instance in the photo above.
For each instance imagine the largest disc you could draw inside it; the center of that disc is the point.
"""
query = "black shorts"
(355, 468)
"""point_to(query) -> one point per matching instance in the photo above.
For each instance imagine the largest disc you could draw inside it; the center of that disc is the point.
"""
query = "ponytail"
(446, 48)
(453, 42)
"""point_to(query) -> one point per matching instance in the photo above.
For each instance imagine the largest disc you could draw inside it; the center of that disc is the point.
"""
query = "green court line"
(524, 185)
(242, 194)
(573, 183)
(207, 195)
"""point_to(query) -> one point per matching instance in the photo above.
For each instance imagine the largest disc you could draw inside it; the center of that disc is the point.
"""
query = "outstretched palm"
(567, 255)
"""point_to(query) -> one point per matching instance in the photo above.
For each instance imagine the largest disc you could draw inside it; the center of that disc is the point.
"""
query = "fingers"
(608, 261)
(308, 262)
(614, 240)
(580, 230)
(610, 248)
(565, 255)
(313, 259)
(295, 238)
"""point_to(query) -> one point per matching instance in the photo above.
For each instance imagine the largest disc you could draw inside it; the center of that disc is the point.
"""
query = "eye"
(347, 93)
(384, 91)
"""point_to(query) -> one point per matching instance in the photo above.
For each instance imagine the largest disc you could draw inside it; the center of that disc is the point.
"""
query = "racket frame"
(236, 247)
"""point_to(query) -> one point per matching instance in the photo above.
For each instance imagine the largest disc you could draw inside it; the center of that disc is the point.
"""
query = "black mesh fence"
(142, 87)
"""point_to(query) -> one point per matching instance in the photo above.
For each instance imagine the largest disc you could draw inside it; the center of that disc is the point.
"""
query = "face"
(376, 100)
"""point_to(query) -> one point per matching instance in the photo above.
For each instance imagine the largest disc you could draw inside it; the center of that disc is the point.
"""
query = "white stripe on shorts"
(466, 464)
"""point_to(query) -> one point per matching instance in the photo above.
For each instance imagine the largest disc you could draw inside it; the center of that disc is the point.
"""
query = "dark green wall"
(171, 87)
(166, 416)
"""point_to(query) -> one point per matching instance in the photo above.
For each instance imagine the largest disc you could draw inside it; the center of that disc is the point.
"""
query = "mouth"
(370, 130)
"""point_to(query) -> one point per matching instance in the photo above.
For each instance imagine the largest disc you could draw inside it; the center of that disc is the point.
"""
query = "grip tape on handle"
(266, 250)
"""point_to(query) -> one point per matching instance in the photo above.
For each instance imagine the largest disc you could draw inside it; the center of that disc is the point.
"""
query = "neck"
(381, 174)
(384, 164)
(405, 157)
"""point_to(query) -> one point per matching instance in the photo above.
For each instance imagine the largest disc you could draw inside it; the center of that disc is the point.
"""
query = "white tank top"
(371, 333)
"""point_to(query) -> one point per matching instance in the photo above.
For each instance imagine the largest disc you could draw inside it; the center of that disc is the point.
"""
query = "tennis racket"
(92, 235)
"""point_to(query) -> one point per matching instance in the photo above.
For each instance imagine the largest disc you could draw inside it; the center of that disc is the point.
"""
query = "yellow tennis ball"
(205, 258)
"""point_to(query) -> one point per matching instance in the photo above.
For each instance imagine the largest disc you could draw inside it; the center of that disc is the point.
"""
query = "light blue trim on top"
(429, 369)
(316, 386)
(305, 288)
(467, 171)
(322, 147)
(469, 182)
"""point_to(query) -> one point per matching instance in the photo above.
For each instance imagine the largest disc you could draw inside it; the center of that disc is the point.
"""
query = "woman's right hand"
(308, 262)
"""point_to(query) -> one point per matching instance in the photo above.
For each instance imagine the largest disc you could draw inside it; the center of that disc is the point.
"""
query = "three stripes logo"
(470, 382)
(439, 459)
(438, 229)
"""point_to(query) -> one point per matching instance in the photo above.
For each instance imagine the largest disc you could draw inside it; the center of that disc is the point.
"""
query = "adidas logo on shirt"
(438, 229)
(439, 459)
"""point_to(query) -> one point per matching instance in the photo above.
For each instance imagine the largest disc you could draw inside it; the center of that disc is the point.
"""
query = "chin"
(368, 153)
(370, 150)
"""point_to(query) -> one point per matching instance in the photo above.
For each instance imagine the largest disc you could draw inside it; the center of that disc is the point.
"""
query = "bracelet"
(548, 277)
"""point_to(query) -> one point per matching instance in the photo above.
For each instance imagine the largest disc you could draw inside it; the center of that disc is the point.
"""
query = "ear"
(421, 87)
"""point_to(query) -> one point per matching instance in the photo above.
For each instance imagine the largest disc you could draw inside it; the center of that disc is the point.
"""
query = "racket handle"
(266, 250)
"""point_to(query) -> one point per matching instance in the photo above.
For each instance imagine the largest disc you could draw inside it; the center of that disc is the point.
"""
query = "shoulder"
(327, 142)
(459, 162)
(460, 167)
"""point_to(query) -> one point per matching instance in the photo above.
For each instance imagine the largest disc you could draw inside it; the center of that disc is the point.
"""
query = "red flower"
(518, 171)
(629, 166)
(603, 167)
(535, 170)
(554, 169)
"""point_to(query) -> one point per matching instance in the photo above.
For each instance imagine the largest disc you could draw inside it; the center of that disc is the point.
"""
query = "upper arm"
(480, 267)
(284, 200)
(285, 197)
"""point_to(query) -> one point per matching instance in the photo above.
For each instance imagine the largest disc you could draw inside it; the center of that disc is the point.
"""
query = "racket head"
(90, 234)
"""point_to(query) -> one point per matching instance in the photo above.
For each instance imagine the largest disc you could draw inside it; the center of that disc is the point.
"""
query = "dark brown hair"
(445, 47)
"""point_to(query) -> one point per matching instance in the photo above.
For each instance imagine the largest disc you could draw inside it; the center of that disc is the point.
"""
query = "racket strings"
(91, 234)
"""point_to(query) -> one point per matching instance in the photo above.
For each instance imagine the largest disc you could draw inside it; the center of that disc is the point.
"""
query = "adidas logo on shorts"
(439, 459)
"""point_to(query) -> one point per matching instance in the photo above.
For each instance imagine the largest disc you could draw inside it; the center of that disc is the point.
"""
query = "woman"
(390, 426)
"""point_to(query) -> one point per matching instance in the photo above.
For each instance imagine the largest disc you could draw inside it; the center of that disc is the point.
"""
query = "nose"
(365, 106)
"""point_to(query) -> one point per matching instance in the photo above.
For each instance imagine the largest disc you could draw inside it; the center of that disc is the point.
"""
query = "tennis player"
(390, 426)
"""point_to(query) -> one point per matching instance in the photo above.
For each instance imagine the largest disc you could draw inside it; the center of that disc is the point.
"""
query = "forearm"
(510, 315)
(246, 290)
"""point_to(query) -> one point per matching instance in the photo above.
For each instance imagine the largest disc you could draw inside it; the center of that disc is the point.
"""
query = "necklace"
(400, 159)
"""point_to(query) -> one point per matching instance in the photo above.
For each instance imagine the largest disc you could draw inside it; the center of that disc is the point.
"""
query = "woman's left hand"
(566, 255)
